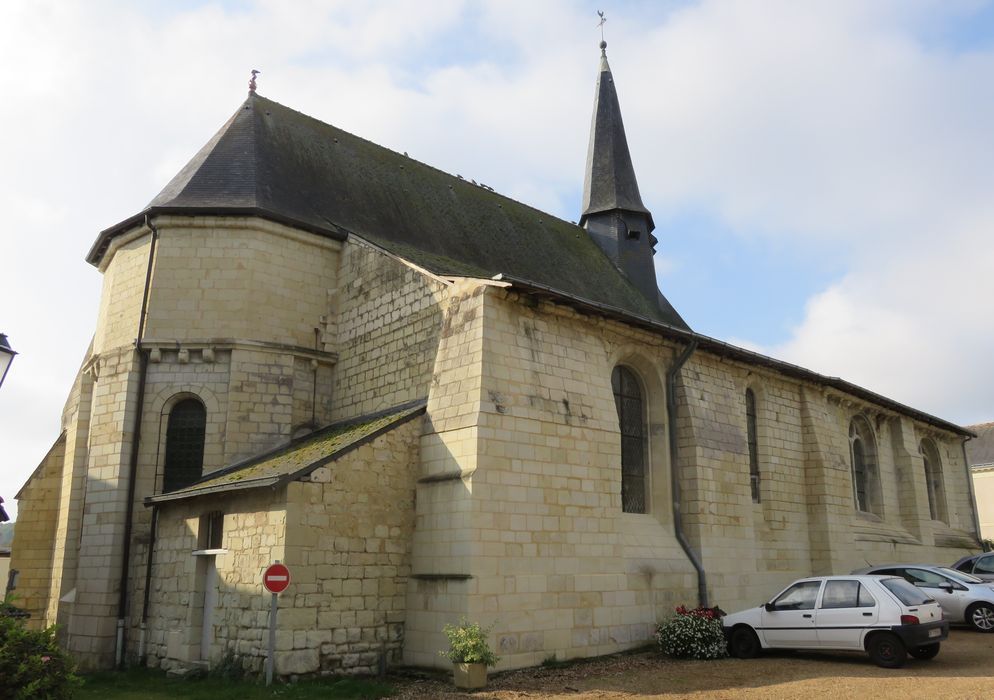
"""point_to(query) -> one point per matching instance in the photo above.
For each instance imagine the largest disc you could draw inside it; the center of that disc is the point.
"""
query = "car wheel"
(744, 643)
(886, 650)
(981, 617)
(926, 652)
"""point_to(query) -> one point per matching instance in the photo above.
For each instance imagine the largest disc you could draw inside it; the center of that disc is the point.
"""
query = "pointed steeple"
(613, 213)
(609, 182)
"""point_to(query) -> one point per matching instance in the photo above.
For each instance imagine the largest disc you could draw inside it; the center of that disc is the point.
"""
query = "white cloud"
(791, 122)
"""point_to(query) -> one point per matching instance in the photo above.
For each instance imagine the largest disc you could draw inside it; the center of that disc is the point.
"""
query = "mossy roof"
(274, 162)
(297, 458)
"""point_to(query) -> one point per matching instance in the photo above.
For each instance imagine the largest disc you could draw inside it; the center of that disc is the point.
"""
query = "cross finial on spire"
(600, 13)
(252, 80)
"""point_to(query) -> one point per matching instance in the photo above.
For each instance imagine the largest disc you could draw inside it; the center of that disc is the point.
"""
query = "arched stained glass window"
(184, 444)
(628, 399)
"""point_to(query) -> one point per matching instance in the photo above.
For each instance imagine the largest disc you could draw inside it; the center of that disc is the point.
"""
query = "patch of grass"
(144, 684)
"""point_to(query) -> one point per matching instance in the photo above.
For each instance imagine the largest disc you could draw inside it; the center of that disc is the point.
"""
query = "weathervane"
(600, 13)
(252, 80)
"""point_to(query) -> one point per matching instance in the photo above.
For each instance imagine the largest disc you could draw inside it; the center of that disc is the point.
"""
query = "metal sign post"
(275, 578)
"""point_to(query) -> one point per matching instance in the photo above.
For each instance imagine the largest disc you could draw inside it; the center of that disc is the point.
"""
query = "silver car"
(980, 565)
(964, 598)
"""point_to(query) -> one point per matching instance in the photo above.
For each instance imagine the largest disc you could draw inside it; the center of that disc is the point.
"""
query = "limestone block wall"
(76, 422)
(239, 277)
(34, 536)
(348, 545)
(519, 509)
(806, 521)
(445, 540)
(104, 496)
(983, 488)
(253, 537)
(384, 323)
(742, 544)
(124, 269)
(522, 408)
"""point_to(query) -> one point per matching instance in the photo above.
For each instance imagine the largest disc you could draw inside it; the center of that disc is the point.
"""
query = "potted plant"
(469, 653)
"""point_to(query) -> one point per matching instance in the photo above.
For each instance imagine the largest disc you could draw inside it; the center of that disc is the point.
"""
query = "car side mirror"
(947, 587)
(769, 607)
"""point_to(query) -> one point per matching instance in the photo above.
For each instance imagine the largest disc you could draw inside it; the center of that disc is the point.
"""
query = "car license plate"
(935, 633)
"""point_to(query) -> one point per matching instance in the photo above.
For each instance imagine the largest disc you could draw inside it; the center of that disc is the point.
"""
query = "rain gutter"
(122, 601)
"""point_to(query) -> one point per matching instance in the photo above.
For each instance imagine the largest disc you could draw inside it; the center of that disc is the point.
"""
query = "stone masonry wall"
(34, 536)
(983, 486)
(384, 326)
(253, 537)
(522, 414)
(348, 545)
(519, 512)
(239, 277)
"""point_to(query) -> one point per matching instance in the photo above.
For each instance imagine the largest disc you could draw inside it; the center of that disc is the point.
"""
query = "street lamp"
(6, 357)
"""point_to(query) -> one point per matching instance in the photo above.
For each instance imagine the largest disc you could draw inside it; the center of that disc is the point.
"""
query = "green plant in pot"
(469, 653)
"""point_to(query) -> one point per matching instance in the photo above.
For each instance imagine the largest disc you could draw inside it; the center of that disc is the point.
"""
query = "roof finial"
(252, 80)
(600, 13)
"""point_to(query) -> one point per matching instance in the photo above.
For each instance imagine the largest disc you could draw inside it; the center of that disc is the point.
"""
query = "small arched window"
(631, 423)
(865, 473)
(753, 444)
(184, 444)
(933, 481)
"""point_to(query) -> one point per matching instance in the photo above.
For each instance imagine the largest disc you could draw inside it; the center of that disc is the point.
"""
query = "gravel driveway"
(963, 669)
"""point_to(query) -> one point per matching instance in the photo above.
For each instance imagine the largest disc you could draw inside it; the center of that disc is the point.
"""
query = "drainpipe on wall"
(973, 496)
(671, 377)
(122, 601)
(148, 583)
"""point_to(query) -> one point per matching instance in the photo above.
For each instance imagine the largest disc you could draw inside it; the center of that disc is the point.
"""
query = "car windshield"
(959, 575)
(905, 592)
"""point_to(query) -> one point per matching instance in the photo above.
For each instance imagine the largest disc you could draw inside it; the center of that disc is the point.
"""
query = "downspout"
(671, 377)
(148, 583)
(973, 496)
(122, 601)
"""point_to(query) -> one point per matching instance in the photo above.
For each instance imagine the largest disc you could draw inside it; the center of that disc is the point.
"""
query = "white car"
(883, 615)
(964, 598)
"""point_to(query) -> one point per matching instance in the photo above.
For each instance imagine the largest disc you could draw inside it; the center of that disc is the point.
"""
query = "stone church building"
(432, 401)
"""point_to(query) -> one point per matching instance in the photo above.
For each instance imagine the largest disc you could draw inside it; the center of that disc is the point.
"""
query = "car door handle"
(867, 614)
(807, 615)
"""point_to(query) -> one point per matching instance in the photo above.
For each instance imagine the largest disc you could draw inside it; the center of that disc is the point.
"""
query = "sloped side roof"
(271, 161)
(980, 452)
(298, 457)
(60, 443)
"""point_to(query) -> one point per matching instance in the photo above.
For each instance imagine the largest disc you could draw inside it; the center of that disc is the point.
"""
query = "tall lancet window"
(865, 473)
(184, 444)
(753, 444)
(933, 481)
(629, 401)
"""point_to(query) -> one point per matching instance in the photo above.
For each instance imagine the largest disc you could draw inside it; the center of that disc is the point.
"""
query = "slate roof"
(980, 452)
(610, 182)
(298, 457)
(271, 161)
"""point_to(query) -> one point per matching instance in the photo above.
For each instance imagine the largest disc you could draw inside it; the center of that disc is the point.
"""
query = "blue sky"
(819, 171)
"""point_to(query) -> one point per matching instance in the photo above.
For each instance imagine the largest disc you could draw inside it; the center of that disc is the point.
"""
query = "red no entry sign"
(276, 578)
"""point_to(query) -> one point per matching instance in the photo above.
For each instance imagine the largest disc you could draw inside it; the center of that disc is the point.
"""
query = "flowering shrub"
(32, 665)
(693, 634)
(468, 644)
(714, 613)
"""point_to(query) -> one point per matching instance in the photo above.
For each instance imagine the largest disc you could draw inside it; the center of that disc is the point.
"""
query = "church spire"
(609, 183)
(613, 213)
